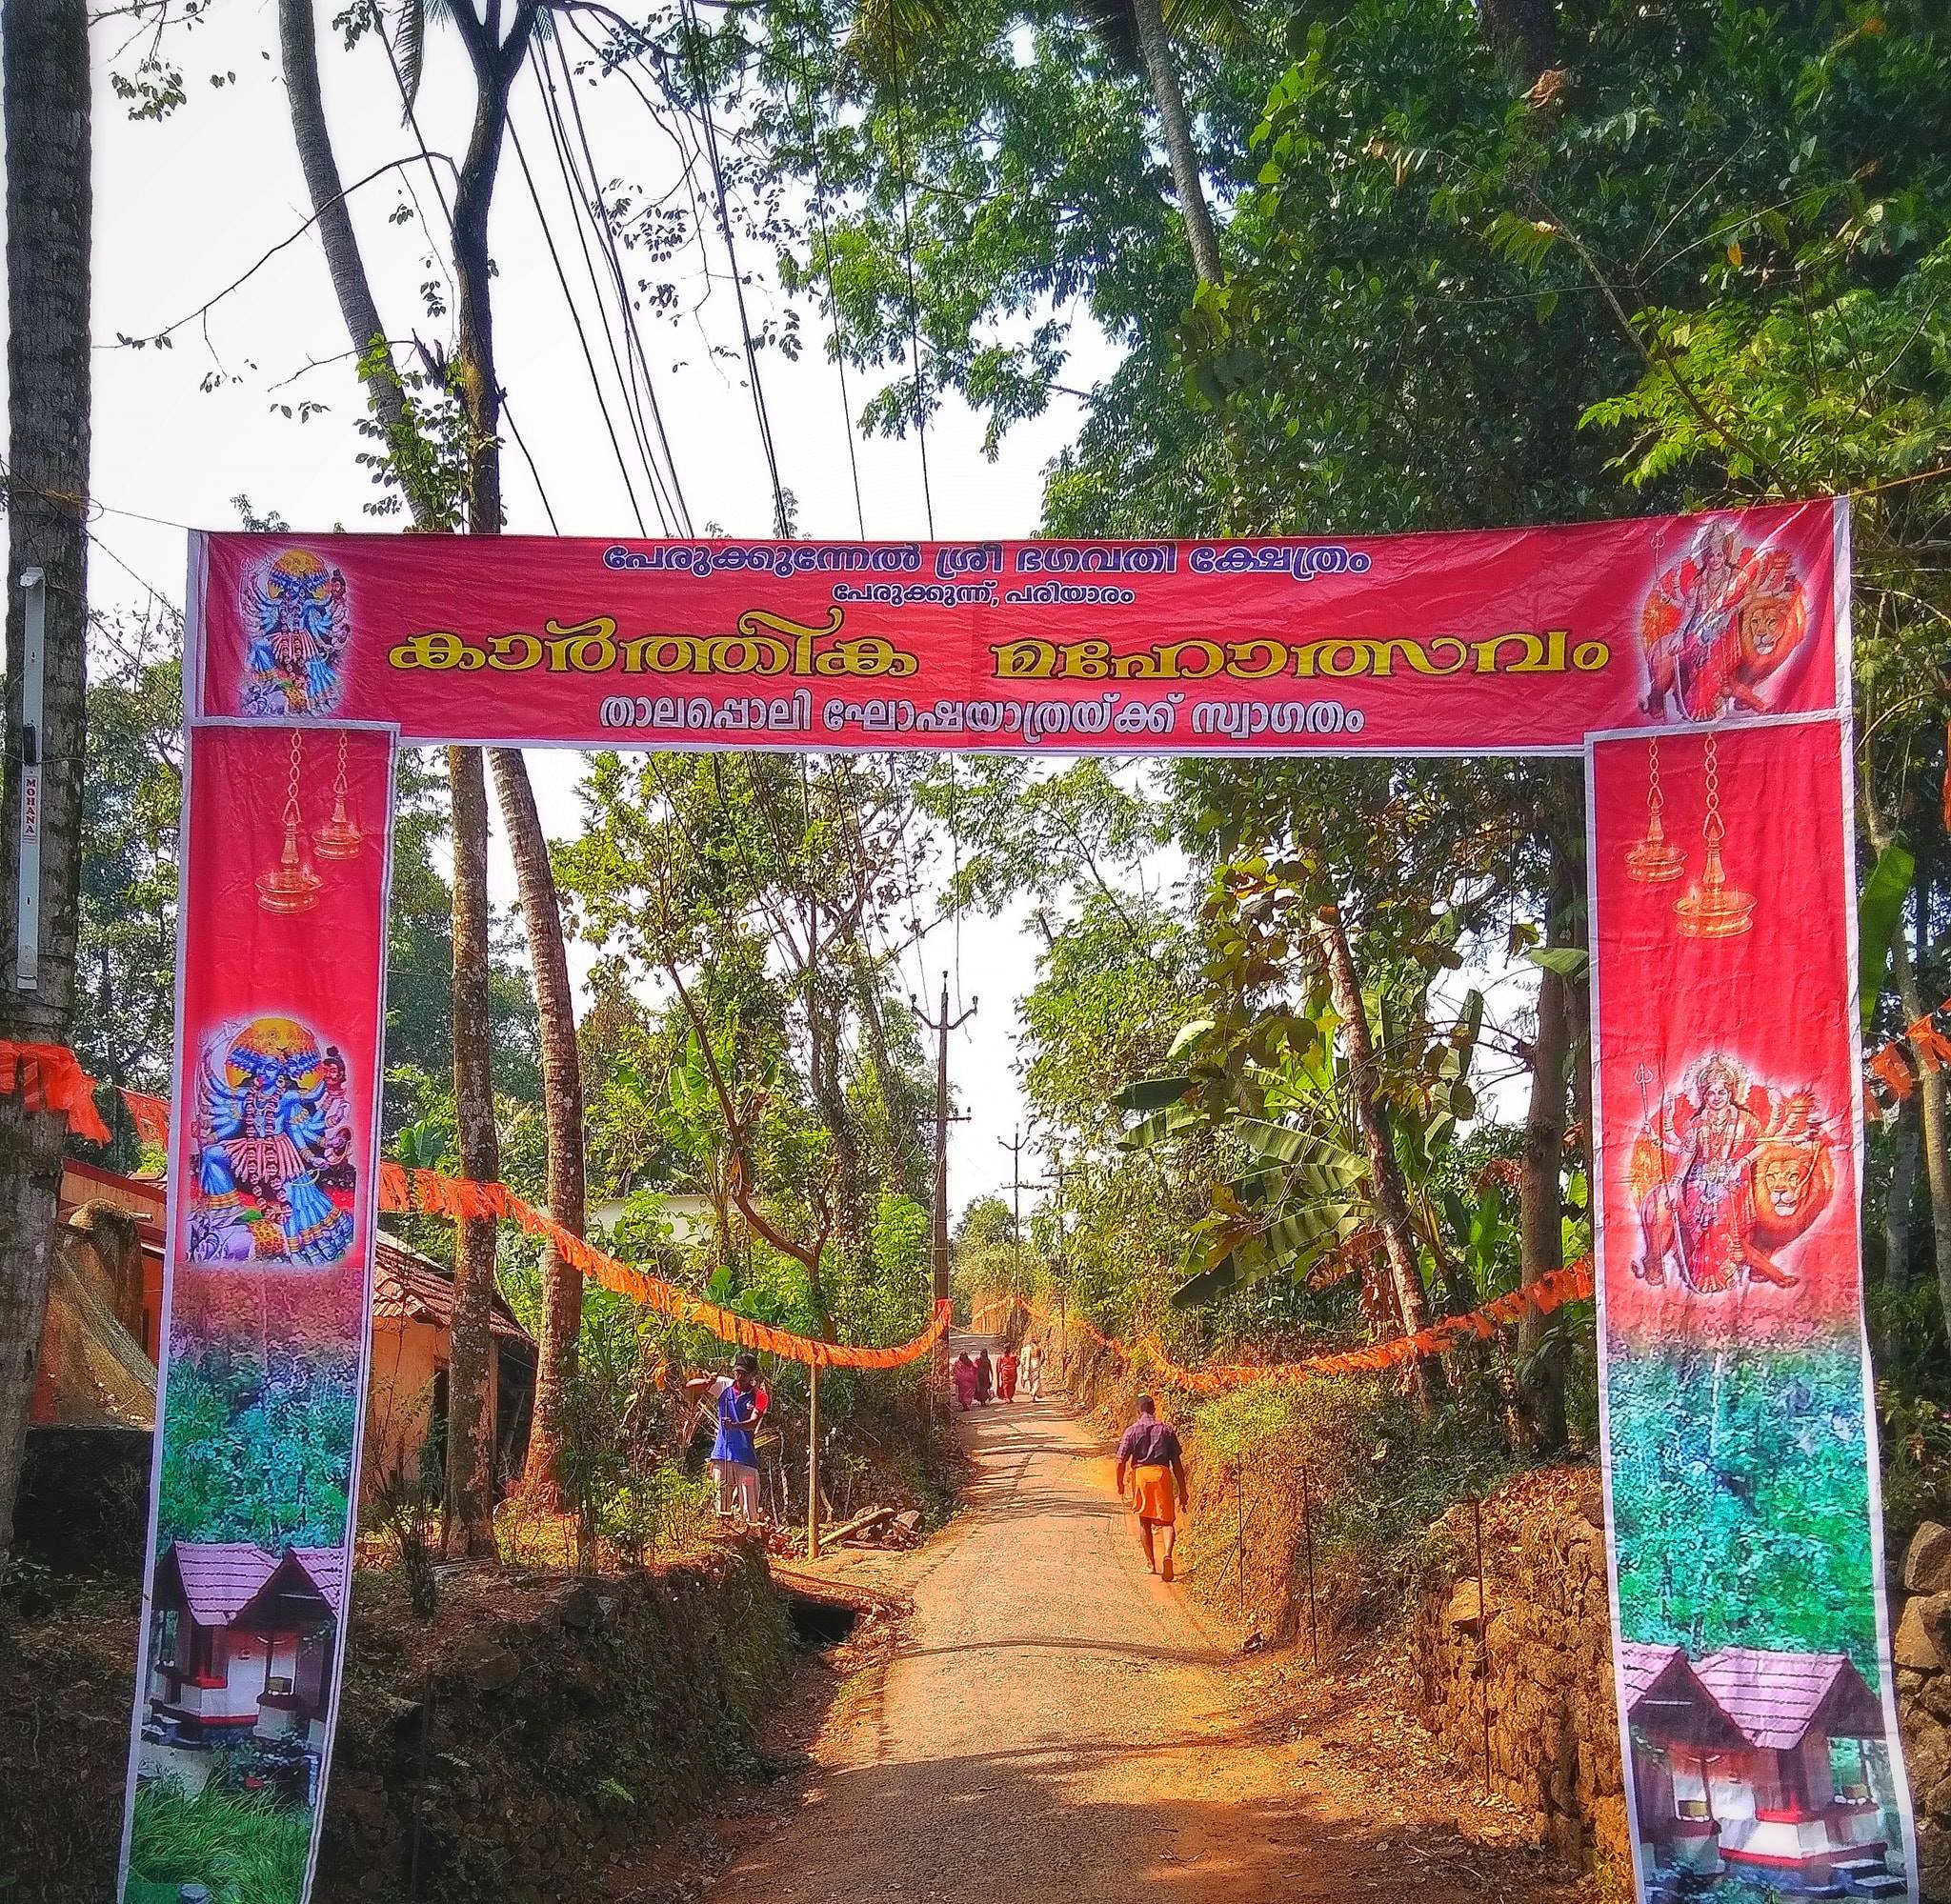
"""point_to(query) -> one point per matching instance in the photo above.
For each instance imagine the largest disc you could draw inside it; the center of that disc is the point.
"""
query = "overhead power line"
(826, 257)
(606, 231)
(914, 307)
(582, 336)
(412, 116)
(695, 36)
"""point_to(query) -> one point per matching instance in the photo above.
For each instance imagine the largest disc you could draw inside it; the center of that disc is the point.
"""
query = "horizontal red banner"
(1536, 637)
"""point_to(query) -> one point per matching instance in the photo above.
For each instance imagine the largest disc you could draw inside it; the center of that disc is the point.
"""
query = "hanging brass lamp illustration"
(290, 886)
(1711, 908)
(1655, 859)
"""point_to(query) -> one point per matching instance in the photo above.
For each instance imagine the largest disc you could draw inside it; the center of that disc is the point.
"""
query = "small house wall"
(284, 1656)
(399, 1404)
(1819, 1778)
(239, 1662)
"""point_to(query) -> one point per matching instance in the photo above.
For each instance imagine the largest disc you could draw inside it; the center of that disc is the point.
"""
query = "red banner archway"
(1700, 666)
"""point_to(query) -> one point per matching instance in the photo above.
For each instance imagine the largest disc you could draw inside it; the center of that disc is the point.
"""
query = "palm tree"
(49, 223)
(890, 35)
(498, 62)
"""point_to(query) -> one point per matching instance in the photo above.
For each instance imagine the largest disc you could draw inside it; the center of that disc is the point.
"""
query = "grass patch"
(244, 1850)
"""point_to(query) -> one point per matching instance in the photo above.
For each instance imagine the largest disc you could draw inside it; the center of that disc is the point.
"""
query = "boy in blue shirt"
(734, 1457)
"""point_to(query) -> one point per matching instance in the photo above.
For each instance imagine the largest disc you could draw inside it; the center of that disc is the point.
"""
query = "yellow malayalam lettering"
(436, 648)
(581, 647)
(1266, 657)
(514, 653)
(801, 634)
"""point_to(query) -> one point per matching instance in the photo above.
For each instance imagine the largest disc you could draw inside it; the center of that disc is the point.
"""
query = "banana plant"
(1303, 1190)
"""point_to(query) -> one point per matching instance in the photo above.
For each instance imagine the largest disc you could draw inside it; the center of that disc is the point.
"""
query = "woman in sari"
(1006, 1375)
(964, 1374)
(985, 1378)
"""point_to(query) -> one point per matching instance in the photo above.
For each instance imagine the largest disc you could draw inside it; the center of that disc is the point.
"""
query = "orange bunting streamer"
(50, 1077)
(1932, 1048)
(1548, 1293)
(429, 1194)
(150, 1115)
(1888, 1065)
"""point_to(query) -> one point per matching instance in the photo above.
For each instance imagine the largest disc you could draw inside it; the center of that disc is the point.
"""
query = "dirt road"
(1058, 1725)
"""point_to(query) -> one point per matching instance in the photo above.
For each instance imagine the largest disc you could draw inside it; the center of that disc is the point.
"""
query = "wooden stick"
(813, 1462)
(1482, 1634)
(1307, 1536)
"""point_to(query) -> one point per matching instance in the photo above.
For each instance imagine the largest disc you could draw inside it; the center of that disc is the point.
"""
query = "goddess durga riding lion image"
(1717, 625)
(1724, 1174)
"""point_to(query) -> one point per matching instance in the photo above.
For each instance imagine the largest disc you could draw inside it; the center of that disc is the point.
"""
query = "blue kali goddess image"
(274, 1172)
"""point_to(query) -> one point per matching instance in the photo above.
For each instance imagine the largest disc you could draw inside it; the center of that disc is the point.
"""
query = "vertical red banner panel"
(1755, 1694)
(266, 1296)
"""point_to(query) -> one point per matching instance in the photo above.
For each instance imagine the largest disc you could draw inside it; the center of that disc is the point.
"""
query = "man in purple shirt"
(1150, 1454)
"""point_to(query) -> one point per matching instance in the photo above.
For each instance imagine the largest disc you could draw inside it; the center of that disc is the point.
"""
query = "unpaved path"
(1058, 1726)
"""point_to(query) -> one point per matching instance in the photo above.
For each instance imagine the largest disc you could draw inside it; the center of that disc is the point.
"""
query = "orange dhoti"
(1153, 1499)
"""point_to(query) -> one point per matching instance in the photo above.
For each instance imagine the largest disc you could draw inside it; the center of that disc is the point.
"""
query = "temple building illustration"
(241, 1655)
(1761, 1766)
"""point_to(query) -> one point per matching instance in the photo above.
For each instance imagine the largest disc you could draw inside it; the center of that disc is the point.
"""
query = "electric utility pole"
(1060, 1176)
(1014, 1147)
(942, 1026)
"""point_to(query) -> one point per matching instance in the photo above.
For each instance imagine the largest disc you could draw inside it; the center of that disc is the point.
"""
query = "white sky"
(184, 207)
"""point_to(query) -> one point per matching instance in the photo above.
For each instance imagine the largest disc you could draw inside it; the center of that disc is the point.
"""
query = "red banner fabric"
(1509, 639)
(273, 1164)
(1740, 1459)
(1700, 665)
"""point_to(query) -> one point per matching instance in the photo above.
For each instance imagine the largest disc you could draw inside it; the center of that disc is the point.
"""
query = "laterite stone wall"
(1544, 1629)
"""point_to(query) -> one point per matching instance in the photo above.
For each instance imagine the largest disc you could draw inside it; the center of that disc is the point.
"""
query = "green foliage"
(1880, 915)
(245, 1850)
(256, 1448)
(131, 793)
(1739, 1497)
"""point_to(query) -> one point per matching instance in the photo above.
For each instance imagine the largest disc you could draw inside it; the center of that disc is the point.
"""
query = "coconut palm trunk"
(469, 1527)
(48, 221)
(1174, 126)
(562, 1105)
(1541, 1194)
(1377, 1139)
(495, 68)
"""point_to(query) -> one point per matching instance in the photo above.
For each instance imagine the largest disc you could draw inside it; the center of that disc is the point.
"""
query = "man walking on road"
(1149, 1452)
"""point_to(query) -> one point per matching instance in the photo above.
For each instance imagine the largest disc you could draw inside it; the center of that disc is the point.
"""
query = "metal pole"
(1482, 1634)
(941, 1150)
(1014, 1147)
(812, 1461)
(1307, 1539)
(26, 962)
(1240, 1514)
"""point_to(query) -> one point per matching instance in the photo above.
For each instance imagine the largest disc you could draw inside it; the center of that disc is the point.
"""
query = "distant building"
(688, 1214)
(1759, 1763)
(405, 1407)
(104, 1329)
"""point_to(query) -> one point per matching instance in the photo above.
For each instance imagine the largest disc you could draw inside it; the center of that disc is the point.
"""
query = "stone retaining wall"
(1920, 1598)
(1545, 1629)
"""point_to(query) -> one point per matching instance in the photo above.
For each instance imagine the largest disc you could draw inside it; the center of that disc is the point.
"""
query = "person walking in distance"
(1150, 1454)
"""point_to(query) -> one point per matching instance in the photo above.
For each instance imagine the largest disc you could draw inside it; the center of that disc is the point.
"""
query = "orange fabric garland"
(1548, 1293)
(50, 1077)
(427, 1192)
